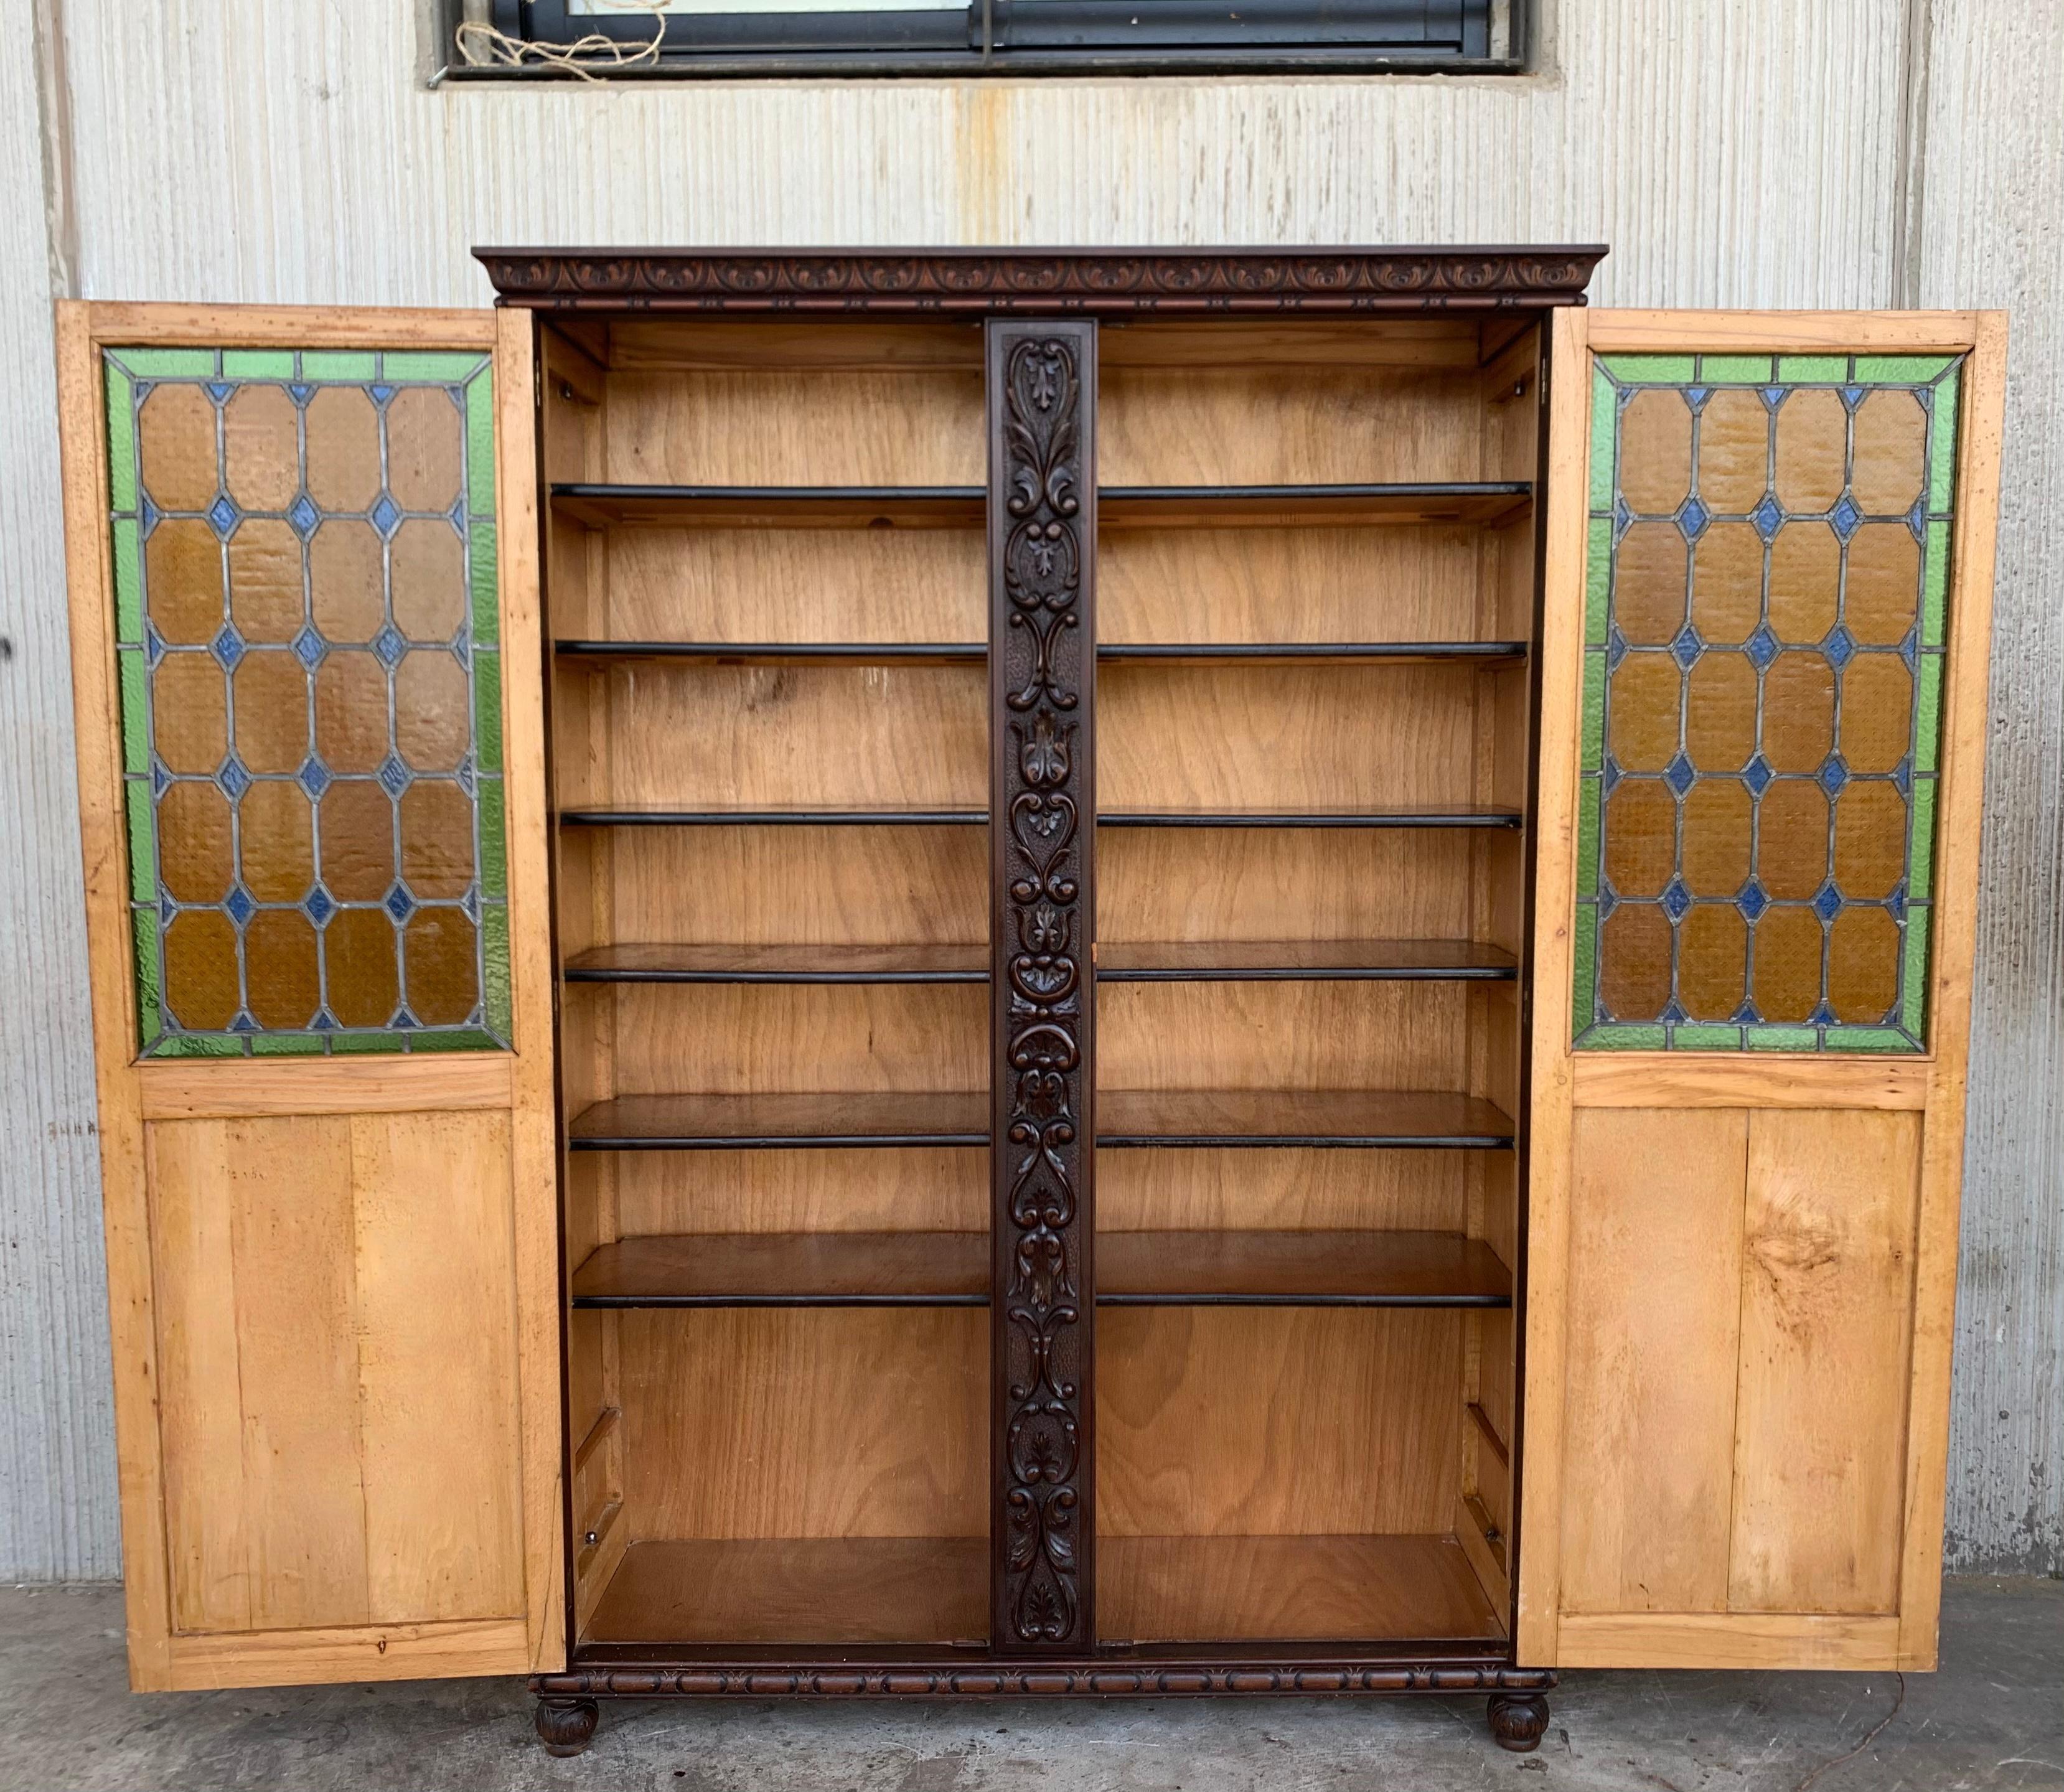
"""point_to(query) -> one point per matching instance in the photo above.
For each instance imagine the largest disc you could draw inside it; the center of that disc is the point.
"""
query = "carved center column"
(1041, 679)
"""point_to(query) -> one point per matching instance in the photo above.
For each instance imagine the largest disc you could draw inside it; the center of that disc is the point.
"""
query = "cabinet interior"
(767, 588)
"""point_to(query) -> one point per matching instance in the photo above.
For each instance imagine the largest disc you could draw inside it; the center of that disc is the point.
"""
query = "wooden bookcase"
(1076, 1118)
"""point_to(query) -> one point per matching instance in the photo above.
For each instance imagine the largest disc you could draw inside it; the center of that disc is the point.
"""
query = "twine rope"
(483, 47)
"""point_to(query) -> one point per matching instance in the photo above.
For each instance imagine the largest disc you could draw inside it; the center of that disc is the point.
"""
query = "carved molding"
(1263, 1677)
(1106, 283)
(1041, 657)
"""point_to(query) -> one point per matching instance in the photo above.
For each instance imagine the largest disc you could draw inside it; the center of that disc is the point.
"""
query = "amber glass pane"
(1633, 973)
(194, 849)
(1877, 712)
(359, 958)
(347, 586)
(1791, 838)
(427, 577)
(275, 831)
(279, 968)
(1717, 813)
(1870, 840)
(1812, 440)
(265, 579)
(1805, 582)
(1787, 963)
(1719, 712)
(1863, 965)
(1655, 451)
(424, 464)
(1641, 834)
(1798, 712)
(351, 712)
(190, 712)
(261, 428)
(183, 561)
(437, 839)
(200, 970)
(441, 947)
(1884, 588)
(357, 841)
(175, 432)
(1726, 583)
(1892, 445)
(1650, 584)
(1712, 962)
(432, 726)
(1644, 711)
(1734, 450)
(343, 449)
(272, 711)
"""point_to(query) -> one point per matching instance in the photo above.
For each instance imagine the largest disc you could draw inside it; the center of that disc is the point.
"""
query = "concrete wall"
(1757, 153)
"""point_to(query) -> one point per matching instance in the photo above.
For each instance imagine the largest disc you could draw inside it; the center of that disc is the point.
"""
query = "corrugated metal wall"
(1829, 153)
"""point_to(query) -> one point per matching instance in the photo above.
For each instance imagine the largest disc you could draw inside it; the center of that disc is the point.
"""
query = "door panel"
(1763, 668)
(306, 670)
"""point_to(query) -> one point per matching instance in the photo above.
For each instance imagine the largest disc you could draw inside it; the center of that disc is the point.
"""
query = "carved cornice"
(1107, 282)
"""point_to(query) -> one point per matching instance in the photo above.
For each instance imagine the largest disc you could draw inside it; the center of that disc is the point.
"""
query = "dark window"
(1014, 37)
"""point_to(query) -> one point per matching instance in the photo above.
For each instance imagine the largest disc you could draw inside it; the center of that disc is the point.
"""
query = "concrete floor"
(1993, 1718)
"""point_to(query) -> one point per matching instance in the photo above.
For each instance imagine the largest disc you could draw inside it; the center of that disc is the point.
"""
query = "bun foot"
(567, 1726)
(1518, 1721)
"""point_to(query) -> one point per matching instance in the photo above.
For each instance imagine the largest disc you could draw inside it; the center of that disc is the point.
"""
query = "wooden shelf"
(1302, 653)
(777, 653)
(976, 653)
(617, 506)
(765, 1590)
(1134, 1269)
(1434, 1120)
(752, 1123)
(1460, 814)
(1477, 501)
(740, 964)
(1287, 1590)
(1260, 961)
(773, 815)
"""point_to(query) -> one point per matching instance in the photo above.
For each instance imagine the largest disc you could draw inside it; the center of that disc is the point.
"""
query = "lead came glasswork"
(303, 555)
(1763, 633)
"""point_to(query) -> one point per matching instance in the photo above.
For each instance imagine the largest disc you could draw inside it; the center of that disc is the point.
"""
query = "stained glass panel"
(1764, 632)
(310, 688)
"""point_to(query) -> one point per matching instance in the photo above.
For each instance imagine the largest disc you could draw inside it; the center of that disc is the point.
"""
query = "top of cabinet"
(1103, 282)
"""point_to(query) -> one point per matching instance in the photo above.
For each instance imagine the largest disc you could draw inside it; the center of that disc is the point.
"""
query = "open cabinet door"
(303, 552)
(1762, 751)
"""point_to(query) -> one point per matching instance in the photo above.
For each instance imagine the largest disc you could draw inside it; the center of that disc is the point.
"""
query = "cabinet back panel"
(797, 584)
(933, 1189)
(863, 735)
(1292, 1188)
(1282, 1035)
(734, 1039)
(1281, 883)
(1213, 585)
(676, 344)
(1280, 1421)
(805, 886)
(779, 428)
(1295, 736)
(1454, 343)
(766, 1422)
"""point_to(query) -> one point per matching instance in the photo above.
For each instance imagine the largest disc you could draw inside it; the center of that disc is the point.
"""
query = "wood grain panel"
(802, 1190)
(1224, 1423)
(1698, 1080)
(1748, 1640)
(806, 1425)
(203, 1089)
(1655, 1280)
(1827, 1305)
(1299, 1190)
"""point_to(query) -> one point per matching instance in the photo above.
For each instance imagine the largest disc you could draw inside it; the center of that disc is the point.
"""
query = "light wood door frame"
(1933, 1083)
(515, 1087)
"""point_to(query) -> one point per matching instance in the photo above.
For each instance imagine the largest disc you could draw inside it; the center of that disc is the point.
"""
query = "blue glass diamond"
(456, 515)
(1748, 1015)
(1762, 647)
(219, 389)
(1697, 396)
(1676, 899)
(303, 515)
(1673, 1011)
(1773, 396)
(1608, 901)
(1687, 646)
(399, 902)
(465, 775)
(314, 776)
(154, 643)
(1767, 516)
(1909, 650)
(1615, 648)
(161, 779)
(1692, 518)
(232, 777)
(243, 1023)
(300, 392)
(389, 644)
(1822, 1016)
(1751, 901)
(404, 1020)
(1621, 517)
(1678, 775)
(1840, 648)
(144, 388)
(168, 908)
(385, 514)
(240, 906)
(1902, 777)
(223, 515)
(1833, 775)
(1845, 516)
(318, 905)
(227, 647)
(393, 775)
(1897, 903)
(470, 903)
(1756, 774)
(1852, 396)
(1828, 903)
(1917, 519)
(380, 394)
(309, 648)
(1609, 777)
(324, 1021)
(148, 512)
